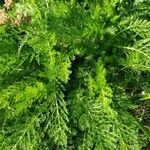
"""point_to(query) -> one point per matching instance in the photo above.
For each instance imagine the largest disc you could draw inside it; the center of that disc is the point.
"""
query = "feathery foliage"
(74, 75)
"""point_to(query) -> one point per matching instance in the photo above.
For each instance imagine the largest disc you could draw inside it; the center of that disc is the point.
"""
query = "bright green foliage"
(74, 75)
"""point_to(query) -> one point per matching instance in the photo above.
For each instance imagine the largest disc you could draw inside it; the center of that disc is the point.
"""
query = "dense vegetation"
(75, 75)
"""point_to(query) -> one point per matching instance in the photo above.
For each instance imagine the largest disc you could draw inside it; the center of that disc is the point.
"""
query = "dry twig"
(3, 17)
(8, 4)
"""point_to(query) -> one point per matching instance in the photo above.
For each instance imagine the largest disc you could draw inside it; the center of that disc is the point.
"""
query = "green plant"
(73, 75)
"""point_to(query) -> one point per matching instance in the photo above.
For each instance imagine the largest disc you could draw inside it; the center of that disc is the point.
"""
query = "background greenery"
(74, 75)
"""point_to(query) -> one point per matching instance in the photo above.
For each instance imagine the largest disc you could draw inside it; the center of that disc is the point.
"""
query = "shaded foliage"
(74, 75)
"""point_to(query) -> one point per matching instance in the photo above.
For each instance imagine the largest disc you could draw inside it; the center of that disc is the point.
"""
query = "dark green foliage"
(74, 75)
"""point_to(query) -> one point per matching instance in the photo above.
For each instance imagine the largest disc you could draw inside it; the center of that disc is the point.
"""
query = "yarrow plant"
(74, 75)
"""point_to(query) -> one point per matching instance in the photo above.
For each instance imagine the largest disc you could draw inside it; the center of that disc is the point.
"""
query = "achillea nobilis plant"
(74, 75)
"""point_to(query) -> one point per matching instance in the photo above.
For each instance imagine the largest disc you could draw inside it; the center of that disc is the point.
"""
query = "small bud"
(142, 93)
